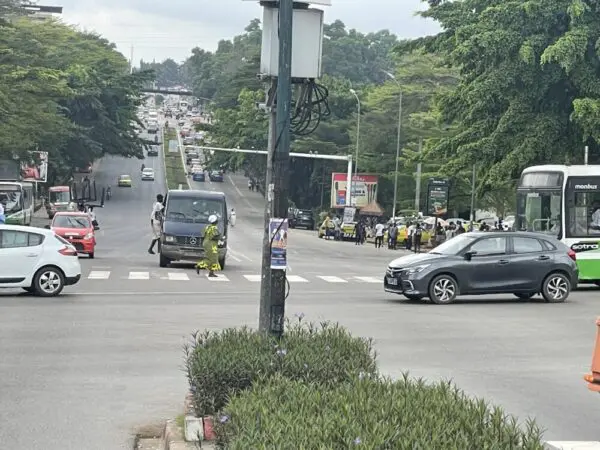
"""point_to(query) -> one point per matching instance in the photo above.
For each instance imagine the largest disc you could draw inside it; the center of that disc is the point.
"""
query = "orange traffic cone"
(593, 379)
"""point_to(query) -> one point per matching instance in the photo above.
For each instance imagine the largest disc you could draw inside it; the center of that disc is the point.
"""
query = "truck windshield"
(539, 211)
(60, 197)
(194, 210)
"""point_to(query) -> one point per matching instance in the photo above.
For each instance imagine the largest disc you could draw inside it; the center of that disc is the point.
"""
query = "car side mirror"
(469, 255)
(47, 227)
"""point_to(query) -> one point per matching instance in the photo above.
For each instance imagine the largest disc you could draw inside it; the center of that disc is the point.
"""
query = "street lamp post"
(393, 77)
(353, 92)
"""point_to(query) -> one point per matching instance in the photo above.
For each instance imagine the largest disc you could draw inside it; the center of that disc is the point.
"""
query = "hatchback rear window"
(61, 240)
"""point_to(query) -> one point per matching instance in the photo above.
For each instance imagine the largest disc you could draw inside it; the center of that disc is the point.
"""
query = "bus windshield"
(60, 197)
(11, 199)
(195, 210)
(539, 211)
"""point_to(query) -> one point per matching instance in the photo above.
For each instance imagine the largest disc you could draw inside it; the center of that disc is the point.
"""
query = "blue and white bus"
(18, 198)
(564, 201)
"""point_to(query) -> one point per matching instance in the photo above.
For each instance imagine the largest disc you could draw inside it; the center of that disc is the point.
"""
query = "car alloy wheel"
(443, 290)
(48, 282)
(556, 288)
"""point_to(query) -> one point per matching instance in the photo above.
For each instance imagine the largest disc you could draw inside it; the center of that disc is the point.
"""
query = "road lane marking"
(178, 276)
(139, 276)
(99, 275)
(296, 279)
(253, 278)
(219, 277)
(331, 279)
(237, 189)
(368, 279)
(235, 258)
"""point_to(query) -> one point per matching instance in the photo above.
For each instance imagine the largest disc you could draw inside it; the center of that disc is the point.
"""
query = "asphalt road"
(83, 370)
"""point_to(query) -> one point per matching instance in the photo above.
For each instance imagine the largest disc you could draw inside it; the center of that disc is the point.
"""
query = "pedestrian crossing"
(182, 276)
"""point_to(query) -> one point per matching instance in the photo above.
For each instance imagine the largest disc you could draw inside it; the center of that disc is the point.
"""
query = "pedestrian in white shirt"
(232, 217)
(379, 232)
(155, 223)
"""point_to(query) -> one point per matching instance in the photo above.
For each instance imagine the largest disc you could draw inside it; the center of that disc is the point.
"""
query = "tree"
(67, 93)
(529, 89)
(167, 73)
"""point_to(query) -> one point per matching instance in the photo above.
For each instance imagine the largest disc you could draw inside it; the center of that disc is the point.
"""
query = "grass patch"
(174, 169)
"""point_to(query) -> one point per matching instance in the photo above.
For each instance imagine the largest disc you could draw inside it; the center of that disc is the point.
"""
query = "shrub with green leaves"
(220, 364)
(279, 413)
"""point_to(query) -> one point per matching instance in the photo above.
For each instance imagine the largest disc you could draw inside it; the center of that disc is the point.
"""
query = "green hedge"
(220, 364)
(174, 169)
(283, 414)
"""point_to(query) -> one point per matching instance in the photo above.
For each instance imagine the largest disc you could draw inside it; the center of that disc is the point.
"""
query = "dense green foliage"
(65, 92)
(224, 363)
(529, 88)
(166, 74)
(367, 413)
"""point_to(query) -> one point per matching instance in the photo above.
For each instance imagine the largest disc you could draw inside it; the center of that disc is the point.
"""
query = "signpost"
(438, 192)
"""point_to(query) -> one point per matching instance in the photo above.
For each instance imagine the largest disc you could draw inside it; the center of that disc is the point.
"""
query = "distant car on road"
(148, 174)
(479, 263)
(198, 175)
(216, 175)
(77, 229)
(36, 260)
(153, 150)
(124, 181)
(302, 218)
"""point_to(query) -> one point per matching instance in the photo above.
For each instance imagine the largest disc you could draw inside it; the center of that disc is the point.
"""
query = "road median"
(175, 174)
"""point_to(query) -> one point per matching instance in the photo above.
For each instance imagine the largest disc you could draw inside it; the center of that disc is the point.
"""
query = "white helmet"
(213, 219)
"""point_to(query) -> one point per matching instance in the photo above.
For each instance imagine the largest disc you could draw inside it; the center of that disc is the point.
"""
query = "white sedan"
(148, 174)
(37, 260)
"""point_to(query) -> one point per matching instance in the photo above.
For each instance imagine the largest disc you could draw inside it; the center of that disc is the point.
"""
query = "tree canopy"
(65, 92)
(529, 90)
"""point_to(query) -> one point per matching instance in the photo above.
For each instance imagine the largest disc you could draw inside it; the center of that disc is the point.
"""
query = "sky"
(158, 30)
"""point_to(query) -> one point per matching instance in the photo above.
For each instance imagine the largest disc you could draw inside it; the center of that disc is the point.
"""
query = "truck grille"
(192, 241)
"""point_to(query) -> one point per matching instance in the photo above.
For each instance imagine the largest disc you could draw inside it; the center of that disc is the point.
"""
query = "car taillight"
(572, 255)
(66, 251)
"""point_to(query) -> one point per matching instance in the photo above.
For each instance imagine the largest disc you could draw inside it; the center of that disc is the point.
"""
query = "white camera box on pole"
(307, 47)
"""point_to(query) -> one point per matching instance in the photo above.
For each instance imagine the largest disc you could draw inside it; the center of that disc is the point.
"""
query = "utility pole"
(131, 60)
(473, 182)
(418, 179)
(273, 284)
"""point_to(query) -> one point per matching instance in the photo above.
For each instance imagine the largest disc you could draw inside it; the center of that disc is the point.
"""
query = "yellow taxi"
(425, 234)
(124, 181)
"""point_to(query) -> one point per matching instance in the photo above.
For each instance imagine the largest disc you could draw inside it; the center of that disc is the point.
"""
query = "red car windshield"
(80, 222)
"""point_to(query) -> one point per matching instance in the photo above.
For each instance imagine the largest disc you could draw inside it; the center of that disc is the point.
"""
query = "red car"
(77, 228)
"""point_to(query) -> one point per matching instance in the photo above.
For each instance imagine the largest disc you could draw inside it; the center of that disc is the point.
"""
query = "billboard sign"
(35, 167)
(438, 192)
(364, 189)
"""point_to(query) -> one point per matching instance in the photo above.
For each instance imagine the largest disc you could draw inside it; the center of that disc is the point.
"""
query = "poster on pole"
(34, 167)
(278, 230)
(438, 192)
(364, 189)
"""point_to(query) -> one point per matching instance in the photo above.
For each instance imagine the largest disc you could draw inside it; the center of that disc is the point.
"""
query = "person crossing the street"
(155, 223)
(210, 261)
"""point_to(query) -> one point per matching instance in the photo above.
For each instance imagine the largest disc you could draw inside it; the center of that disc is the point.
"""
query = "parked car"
(479, 263)
(199, 176)
(76, 228)
(36, 260)
(216, 175)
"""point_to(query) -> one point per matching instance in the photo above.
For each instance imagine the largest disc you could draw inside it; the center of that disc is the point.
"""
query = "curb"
(182, 154)
(572, 445)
